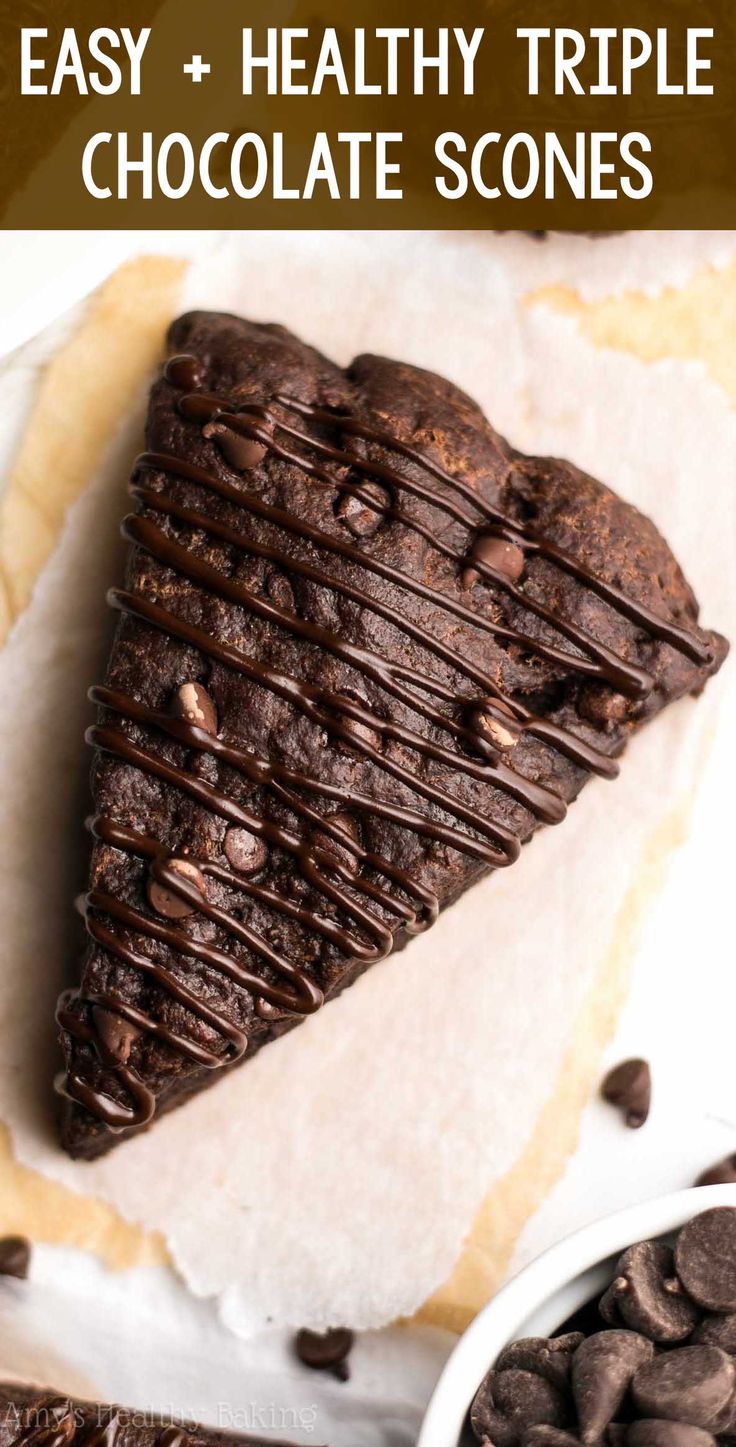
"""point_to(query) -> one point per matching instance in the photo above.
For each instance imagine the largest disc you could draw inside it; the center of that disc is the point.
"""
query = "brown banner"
(580, 114)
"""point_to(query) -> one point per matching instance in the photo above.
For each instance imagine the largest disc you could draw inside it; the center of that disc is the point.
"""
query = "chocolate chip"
(325, 1351)
(629, 1086)
(359, 517)
(511, 1401)
(647, 1296)
(15, 1256)
(327, 845)
(549, 1357)
(705, 1257)
(196, 408)
(717, 1331)
(240, 452)
(723, 1173)
(266, 1011)
(245, 851)
(195, 705)
(615, 1434)
(166, 901)
(692, 1385)
(361, 732)
(667, 1434)
(724, 1422)
(602, 1369)
(503, 557)
(543, 1436)
(501, 730)
(184, 372)
(114, 1033)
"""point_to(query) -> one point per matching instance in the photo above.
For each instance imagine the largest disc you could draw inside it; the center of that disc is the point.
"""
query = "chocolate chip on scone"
(347, 597)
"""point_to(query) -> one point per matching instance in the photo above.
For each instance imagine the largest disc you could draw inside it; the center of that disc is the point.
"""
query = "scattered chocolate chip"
(325, 1351)
(691, 1385)
(646, 1295)
(359, 517)
(629, 1087)
(514, 1401)
(245, 851)
(723, 1173)
(115, 1033)
(705, 1257)
(195, 705)
(15, 1256)
(166, 901)
(339, 852)
(717, 1331)
(667, 1434)
(183, 372)
(240, 452)
(548, 1357)
(503, 557)
(602, 1370)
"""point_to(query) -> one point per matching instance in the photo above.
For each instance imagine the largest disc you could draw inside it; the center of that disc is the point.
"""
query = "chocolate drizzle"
(473, 722)
(58, 1422)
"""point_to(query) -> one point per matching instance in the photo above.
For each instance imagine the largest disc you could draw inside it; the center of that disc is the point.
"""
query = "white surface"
(551, 1288)
(680, 1016)
(51, 271)
(349, 1200)
(140, 1338)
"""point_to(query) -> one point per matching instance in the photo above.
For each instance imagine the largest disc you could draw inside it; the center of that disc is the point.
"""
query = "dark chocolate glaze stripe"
(607, 665)
(334, 712)
(662, 628)
(324, 704)
(582, 753)
(543, 801)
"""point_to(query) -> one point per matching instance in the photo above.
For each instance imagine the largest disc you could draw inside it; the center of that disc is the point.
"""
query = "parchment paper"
(335, 1177)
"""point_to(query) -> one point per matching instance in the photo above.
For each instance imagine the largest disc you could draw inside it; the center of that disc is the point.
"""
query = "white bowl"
(546, 1293)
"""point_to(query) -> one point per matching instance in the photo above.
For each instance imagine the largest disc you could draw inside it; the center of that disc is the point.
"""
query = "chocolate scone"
(365, 650)
(36, 1417)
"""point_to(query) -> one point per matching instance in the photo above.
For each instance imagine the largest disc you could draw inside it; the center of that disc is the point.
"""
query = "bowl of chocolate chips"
(622, 1335)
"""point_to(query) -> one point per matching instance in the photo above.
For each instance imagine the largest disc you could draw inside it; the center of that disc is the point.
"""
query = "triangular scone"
(35, 1417)
(365, 649)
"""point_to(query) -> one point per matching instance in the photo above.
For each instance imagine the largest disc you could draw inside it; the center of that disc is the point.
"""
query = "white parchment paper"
(335, 1177)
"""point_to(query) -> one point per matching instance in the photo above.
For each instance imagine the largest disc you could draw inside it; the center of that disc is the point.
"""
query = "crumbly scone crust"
(248, 363)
